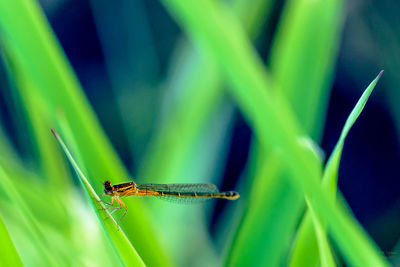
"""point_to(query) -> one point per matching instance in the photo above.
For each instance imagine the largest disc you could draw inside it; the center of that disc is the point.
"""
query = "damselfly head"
(107, 187)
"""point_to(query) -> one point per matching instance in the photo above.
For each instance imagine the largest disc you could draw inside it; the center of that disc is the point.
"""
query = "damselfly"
(184, 193)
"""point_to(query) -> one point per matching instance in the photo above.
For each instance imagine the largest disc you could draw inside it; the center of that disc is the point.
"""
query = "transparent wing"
(180, 188)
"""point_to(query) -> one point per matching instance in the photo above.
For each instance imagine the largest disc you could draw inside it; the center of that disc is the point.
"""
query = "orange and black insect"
(184, 193)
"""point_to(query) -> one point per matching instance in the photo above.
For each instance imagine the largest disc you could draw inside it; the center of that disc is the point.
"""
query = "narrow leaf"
(8, 254)
(120, 241)
(33, 46)
(35, 230)
(332, 166)
(311, 232)
(216, 30)
(268, 224)
(303, 65)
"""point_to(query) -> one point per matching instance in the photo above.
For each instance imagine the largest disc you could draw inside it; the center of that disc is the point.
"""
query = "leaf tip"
(55, 134)
(380, 74)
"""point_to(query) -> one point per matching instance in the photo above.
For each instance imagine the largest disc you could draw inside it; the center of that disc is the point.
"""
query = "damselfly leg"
(112, 208)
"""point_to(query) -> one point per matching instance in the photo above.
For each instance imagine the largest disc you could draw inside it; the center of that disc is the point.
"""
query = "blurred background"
(136, 67)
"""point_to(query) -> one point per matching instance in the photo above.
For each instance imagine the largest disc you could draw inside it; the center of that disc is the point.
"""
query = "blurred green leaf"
(216, 31)
(8, 254)
(325, 253)
(67, 225)
(47, 157)
(203, 116)
(281, 210)
(27, 219)
(261, 239)
(311, 232)
(304, 79)
(34, 48)
(302, 64)
(201, 98)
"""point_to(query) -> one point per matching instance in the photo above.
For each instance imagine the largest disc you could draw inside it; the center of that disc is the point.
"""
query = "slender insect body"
(184, 193)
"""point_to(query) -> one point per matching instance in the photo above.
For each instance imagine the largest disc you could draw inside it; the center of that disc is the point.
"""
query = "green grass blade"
(8, 254)
(303, 58)
(199, 104)
(49, 158)
(216, 31)
(28, 220)
(310, 232)
(332, 166)
(124, 247)
(65, 230)
(33, 46)
(203, 95)
(267, 226)
(304, 252)
(281, 210)
(304, 78)
(325, 253)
